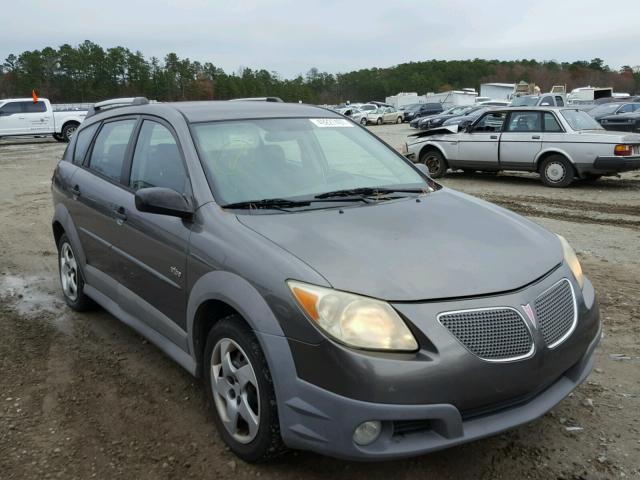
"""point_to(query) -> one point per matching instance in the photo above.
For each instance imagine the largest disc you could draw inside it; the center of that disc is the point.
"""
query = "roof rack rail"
(258, 99)
(116, 103)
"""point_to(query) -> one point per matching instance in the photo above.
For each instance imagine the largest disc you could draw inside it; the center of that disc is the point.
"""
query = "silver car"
(385, 115)
(560, 143)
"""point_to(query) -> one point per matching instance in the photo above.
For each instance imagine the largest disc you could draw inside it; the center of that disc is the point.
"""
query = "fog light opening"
(367, 432)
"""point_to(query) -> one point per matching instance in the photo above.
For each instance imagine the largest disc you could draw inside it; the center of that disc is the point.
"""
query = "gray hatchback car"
(331, 295)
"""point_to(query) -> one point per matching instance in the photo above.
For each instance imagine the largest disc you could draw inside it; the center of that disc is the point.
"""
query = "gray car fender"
(61, 215)
(554, 151)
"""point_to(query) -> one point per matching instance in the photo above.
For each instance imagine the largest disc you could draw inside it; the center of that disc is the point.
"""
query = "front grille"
(556, 313)
(494, 334)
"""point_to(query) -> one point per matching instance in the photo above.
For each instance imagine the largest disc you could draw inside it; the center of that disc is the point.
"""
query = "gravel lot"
(84, 396)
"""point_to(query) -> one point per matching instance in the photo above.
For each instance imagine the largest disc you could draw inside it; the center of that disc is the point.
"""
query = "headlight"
(356, 321)
(572, 260)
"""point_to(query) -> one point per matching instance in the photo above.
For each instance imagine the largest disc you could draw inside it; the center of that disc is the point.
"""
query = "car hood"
(447, 245)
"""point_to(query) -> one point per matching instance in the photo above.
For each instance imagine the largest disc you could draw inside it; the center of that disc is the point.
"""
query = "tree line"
(89, 73)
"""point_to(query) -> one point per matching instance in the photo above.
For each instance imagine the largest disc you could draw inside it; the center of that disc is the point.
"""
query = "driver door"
(478, 148)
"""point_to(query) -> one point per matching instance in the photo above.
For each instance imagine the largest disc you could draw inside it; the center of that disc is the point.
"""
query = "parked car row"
(618, 116)
(562, 144)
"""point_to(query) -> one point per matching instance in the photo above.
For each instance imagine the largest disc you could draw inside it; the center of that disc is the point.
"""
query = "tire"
(58, 137)
(71, 279)
(399, 120)
(556, 171)
(232, 338)
(435, 162)
(68, 130)
(363, 121)
(379, 121)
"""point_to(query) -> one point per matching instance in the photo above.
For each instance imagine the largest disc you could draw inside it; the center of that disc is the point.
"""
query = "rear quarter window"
(82, 143)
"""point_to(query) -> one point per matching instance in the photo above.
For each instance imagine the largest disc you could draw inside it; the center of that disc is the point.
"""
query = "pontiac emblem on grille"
(529, 311)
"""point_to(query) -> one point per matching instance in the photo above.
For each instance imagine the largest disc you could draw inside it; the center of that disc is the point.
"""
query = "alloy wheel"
(69, 272)
(235, 390)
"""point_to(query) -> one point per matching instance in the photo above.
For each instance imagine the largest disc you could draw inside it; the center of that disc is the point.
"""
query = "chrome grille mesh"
(496, 334)
(555, 311)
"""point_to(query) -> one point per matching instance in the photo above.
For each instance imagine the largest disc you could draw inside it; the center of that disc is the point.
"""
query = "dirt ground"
(83, 396)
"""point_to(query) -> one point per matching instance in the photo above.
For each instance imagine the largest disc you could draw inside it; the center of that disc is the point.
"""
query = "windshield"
(604, 109)
(524, 101)
(579, 120)
(296, 157)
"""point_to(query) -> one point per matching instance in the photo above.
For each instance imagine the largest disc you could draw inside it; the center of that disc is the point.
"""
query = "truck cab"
(24, 116)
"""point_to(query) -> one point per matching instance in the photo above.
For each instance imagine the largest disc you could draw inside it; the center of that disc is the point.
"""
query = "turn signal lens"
(572, 260)
(359, 322)
(623, 150)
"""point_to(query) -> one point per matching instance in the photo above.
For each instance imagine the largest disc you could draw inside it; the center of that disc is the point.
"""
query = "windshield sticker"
(331, 122)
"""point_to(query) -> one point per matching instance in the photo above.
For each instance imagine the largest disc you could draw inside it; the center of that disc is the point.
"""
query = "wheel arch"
(63, 224)
(217, 295)
(544, 154)
(429, 147)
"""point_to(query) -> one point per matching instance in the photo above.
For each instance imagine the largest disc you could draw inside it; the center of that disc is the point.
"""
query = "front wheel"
(556, 171)
(379, 121)
(240, 388)
(399, 120)
(363, 121)
(435, 162)
(58, 137)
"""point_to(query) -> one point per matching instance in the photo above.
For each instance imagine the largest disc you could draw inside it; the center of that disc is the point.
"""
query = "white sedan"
(560, 143)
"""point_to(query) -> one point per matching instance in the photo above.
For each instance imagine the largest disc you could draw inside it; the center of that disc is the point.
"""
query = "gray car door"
(521, 140)
(96, 191)
(478, 147)
(154, 247)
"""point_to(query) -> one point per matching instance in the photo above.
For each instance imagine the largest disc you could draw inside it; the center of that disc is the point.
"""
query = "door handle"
(493, 137)
(75, 191)
(535, 137)
(120, 214)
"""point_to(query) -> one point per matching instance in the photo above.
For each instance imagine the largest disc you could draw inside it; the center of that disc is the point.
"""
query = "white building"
(497, 91)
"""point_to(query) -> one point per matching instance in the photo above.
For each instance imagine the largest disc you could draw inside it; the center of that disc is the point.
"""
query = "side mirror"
(163, 201)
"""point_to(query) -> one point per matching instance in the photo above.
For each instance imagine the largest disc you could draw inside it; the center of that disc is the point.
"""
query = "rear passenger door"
(36, 117)
(521, 140)
(97, 191)
(153, 246)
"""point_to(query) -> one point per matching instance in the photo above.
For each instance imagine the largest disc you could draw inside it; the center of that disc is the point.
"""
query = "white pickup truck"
(24, 117)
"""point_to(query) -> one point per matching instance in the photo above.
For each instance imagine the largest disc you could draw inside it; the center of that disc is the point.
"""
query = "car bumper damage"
(442, 396)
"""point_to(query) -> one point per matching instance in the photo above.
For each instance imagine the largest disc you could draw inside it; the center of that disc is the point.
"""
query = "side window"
(156, 160)
(626, 108)
(33, 107)
(547, 101)
(551, 124)
(82, 143)
(11, 108)
(559, 101)
(491, 122)
(110, 147)
(524, 122)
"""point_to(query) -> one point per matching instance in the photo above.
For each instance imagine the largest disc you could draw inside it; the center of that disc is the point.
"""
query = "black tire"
(267, 442)
(399, 120)
(68, 130)
(58, 137)
(77, 301)
(379, 121)
(435, 162)
(363, 121)
(556, 171)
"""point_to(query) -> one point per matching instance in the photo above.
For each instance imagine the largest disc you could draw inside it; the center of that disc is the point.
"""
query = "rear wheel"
(556, 171)
(71, 278)
(379, 121)
(435, 162)
(58, 137)
(68, 131)
(399, 120)
(240, 388)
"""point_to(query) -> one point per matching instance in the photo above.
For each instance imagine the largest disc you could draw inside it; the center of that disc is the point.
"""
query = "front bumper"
(315, 419)
(436, 398)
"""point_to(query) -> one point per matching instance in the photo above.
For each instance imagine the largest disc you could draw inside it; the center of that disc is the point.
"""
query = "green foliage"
(89, 73)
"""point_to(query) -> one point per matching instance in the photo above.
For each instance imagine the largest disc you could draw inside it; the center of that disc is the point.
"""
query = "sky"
(290, 37)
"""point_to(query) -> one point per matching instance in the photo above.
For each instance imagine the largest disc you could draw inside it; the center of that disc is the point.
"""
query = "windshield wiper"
(370, 192)
(283, 203)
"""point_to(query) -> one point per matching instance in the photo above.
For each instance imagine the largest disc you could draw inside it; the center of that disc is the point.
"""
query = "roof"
(223, 110)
